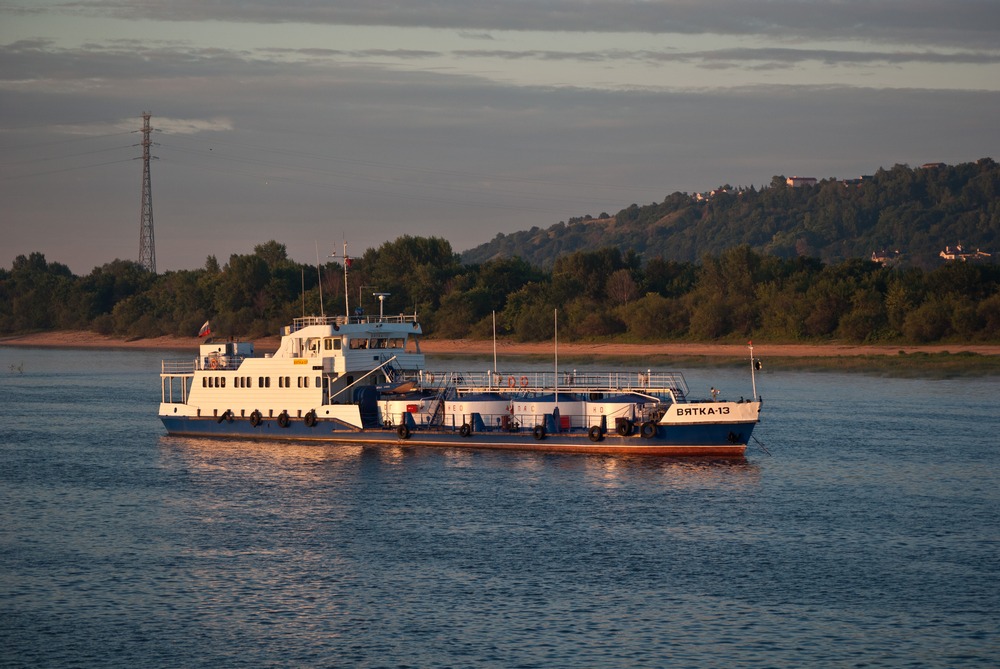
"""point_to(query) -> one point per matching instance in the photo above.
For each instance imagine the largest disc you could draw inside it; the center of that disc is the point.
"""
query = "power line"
(68, 169)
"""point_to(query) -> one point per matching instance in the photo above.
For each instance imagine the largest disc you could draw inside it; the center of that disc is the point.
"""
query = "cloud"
(963, 23)
(734, 57)
(193, 126)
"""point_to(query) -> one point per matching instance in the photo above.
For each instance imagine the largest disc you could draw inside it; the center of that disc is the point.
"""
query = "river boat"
(363, 379)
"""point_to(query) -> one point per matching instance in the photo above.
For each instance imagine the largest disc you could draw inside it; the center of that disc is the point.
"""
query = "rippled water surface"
(869, 537)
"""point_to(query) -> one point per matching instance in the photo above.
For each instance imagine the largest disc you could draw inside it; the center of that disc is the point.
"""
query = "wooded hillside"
(917, 211)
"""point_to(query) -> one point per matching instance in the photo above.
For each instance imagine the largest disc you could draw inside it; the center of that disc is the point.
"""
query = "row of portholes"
(262, 382)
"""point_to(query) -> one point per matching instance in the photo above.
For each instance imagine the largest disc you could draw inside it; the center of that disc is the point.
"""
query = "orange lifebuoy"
(511, 382)
(213, 363)
(524, 381)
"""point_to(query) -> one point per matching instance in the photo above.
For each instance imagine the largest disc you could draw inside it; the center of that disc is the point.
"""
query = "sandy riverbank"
(78, 339)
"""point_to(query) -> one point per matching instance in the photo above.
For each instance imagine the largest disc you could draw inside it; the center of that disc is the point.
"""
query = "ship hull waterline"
(670, 440)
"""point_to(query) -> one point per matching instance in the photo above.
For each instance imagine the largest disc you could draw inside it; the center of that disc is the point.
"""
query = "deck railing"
(178, 366)
(207, 363)
(524, 383)
(306, 321)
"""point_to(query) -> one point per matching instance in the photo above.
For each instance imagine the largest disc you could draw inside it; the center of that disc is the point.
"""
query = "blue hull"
(699, 440)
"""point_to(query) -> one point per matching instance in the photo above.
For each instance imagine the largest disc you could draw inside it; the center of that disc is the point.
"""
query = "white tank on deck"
(420, 408)
(610, 407)
(493, 409)
(529, 411)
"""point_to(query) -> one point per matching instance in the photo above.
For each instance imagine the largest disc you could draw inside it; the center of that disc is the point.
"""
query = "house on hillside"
(886, 258)
(960, 254)
(857, 182)
(798, 182)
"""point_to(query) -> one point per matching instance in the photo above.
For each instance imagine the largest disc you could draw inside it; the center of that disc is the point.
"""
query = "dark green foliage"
(599, 294)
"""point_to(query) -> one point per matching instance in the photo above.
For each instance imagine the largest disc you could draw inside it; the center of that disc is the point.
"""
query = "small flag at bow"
(205, 330)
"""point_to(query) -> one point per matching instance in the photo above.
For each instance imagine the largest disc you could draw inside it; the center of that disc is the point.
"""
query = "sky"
(315, 122)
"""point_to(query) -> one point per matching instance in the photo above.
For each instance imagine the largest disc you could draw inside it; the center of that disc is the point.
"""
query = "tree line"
(601, 295)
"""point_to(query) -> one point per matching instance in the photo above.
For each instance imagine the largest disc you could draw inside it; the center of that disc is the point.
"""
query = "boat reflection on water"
(273, 460)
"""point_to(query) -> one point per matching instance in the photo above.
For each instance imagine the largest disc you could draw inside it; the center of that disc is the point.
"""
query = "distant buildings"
(798, 182)
(886, 258)
(960, 254)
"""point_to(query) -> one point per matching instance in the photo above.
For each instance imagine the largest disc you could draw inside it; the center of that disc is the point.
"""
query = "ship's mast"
(347, 264)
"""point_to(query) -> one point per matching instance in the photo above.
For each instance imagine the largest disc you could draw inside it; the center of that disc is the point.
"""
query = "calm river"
(870, 536)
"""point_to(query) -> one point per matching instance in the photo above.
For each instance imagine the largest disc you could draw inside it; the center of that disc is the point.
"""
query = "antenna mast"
(147, 250)
(347, 266)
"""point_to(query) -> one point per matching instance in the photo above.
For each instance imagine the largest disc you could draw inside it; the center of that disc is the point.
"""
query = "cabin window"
(260, 381)
(222, 381)
(331, 344)
(359, 343)
(204, 382)
(319, 381)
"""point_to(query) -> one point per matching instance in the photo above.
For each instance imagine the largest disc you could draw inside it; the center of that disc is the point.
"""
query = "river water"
(868, 537)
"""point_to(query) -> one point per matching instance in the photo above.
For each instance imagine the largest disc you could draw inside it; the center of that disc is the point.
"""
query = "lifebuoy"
(465, 430)
(595, 433)
(524, 381)
(624, 427)
(403, 431)
(255, 418)
(213, 363)
(648, 430)
(511, 382)
(283, 419)
(310, 418)
(539, 432)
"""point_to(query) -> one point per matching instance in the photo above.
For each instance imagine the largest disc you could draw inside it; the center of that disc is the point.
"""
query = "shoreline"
(458, 347)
